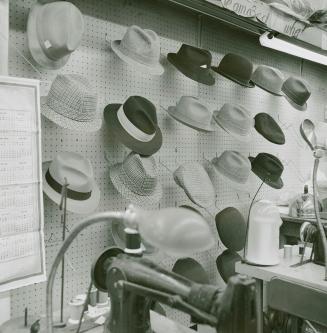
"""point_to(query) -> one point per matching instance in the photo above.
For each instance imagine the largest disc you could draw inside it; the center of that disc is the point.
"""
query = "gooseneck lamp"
(176, 231)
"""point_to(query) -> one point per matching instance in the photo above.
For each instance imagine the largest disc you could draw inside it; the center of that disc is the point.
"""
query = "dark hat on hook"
(268, 128)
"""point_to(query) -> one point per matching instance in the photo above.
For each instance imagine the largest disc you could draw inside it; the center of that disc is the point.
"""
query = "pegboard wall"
(114, 82)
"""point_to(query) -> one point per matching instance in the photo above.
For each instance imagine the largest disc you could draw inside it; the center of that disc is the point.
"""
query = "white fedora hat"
(83, 194)
(141, 49)
(234, 168)
(196, 183)
(136, 179)
(72, 104)
(54, 31)
(191, 112)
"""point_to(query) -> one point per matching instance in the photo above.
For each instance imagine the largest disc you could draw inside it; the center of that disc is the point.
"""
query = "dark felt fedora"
(231, 228)
(226, 264)
(268, 128)
(134, 123)
(191, 269)
(237, 69)
(268, 168)
(193, 62)
(297, 92)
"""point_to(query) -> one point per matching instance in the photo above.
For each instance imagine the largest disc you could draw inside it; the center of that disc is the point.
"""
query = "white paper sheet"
(21, 207)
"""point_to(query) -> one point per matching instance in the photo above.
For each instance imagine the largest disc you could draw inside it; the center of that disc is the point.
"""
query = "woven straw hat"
(136, 179)
(195, 181)
(72, 104)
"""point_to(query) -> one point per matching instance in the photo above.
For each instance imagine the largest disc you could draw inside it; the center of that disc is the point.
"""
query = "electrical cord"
(84, 307)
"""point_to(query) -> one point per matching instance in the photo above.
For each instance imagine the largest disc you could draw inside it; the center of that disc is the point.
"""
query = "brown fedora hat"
(236, 68)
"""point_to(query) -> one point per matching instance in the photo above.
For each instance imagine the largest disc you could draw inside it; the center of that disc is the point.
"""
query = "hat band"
(131, 129)
(71, 194)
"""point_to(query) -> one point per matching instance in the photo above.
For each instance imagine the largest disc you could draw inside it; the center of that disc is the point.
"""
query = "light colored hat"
(269, 79)
(136, 179)
(235, 120)
(192, 113)
(83, 194)
(195, 181)
(72, 103)
(54, 31)
(141, 49)
(233, 167)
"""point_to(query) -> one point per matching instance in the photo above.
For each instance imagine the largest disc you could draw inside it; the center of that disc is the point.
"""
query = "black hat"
(268, 128)
(226, 264)
(231, 228)
(134, 123)
(191, 269)
(268, 168)
(237, 69)
(193, 62)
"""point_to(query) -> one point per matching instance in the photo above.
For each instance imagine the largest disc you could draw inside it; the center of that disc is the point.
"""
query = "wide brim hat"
(65, 122)
(278, 184)
(295, 105)
(190, 122)
(76, 206)
(198, 74)
(143, 148)
(157, 69)
(244, 138)
(34, 45)
(135, 198)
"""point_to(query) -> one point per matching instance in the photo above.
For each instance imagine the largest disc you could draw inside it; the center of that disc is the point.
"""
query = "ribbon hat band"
(131, 129)
(71, 194)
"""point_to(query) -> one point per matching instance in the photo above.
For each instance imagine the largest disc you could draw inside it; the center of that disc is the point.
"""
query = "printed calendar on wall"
(22, 250)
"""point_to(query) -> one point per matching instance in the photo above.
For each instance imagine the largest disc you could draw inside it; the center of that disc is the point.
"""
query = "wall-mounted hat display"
(268, 168)
(191, 269)
(191, 112)
(193, 62)
(136, 179)
(54, 32)
(235, 120)
(269, 79)
(195, 181)
(263, 235)
(233, 167)
(268, 128)
(226, 264)
(231, 228)
(83, 194)
(236, 68)
(140, 48)
(72, 103)
(297, 92)
(135, 124)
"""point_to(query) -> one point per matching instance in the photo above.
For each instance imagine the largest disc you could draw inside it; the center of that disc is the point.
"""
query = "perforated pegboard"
(114, 82)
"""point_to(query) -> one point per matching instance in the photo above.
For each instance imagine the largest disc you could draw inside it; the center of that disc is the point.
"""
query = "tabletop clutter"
(72, 104)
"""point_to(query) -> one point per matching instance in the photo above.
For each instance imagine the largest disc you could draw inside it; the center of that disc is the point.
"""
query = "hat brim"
(75, 206)
(156, 69)
(190, 123)
(278, 184)
(280, 93)
(201, 75)
(296, 106)
(249, 84)
(142, 200)
(244, 138)
(34, 45)
(85, 126)
(143, 148)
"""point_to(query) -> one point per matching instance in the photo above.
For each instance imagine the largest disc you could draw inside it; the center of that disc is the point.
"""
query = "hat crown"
(60, 28)
(269, 164)
(139, 173)
(236, 66)
(297, 90)
(75, 168)
(194, 55)
(234, 165)
(72, 96)
(143, 43)
(192, 108)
